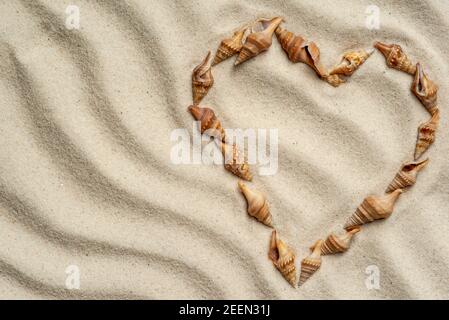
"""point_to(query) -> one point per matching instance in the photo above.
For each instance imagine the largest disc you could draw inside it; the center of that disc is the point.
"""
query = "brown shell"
(395, 57)
(283, 258)
(234, 162)
(338, 243)
(407, 175)
(229, 47)
(257, 205)
(258, 42)
(202, 79)
(373, 208)
(426, 134)
(335, 80)
(351, 61)
(209, 122)
(425, 90)
(312, 263)
(299, 49)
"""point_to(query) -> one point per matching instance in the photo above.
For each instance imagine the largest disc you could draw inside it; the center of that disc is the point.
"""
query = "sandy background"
(85, 171)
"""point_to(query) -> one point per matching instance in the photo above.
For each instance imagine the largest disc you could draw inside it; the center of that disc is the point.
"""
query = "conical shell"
(229, 47)
(283, 258)
(373, 208)
(425, 90)
(202, 79)
(258, 42)
(257, 205)
(335, 80)
(234, 162)
(351, 61)
(426, 134)
(395, 57)
(338, 243)
(209, 122)
(407, 175)
(312, 263)
(300, 50)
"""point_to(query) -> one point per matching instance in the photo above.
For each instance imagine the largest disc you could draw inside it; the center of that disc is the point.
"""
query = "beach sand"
(87, 185)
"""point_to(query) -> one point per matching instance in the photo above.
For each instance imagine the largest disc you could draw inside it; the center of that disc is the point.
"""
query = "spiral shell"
(283, 258)
(209, 122)
(407, 175)
(335, 80)
(426, 134)
(300, 50)
(258, 42)
(234, 162)
(395, 57)
(351, 61)
(373, 208)
(425, 90)
(312, 263)
(229, 47)
(202, 79)
(257, 205)
(337, 244)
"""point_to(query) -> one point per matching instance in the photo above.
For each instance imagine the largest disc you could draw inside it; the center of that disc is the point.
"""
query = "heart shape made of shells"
(255, 38)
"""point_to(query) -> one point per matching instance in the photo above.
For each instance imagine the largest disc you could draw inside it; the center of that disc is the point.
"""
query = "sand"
(86, 180)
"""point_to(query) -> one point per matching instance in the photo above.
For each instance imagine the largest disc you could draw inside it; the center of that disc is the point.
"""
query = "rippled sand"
(85, 171)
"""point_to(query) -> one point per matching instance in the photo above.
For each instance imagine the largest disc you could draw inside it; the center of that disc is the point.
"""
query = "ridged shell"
(257, 205)
(338, 243)
(407, 175)
(209, 122)
(312, 263)
(283, 258)
(300, 50)
(335, 80)
(258, 42)
(395, 57)
(373, 208)
(425, 90)
(234, 162)
(229, 47)
(426, 134)
(351, 61)
(202, 79)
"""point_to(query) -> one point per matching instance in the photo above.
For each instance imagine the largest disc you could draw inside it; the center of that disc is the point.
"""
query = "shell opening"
(274, 251)
(420, 84)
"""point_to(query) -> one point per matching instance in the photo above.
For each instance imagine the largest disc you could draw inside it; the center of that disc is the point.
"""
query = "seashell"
(202, 79)
(337, 244)
(396, 58)
(374, 208)
(228, 47)
(351, 61)
(426, 134)
(312, 263)
(300, 50)
(335, 80)
(209, 121)
(425, 90)
(283, 258)
(234, 162)
(407, 175)
(258, 42)
(257, 205)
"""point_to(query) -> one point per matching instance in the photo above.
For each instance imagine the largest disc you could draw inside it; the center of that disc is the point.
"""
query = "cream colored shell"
(283, 258)
(257, 205)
